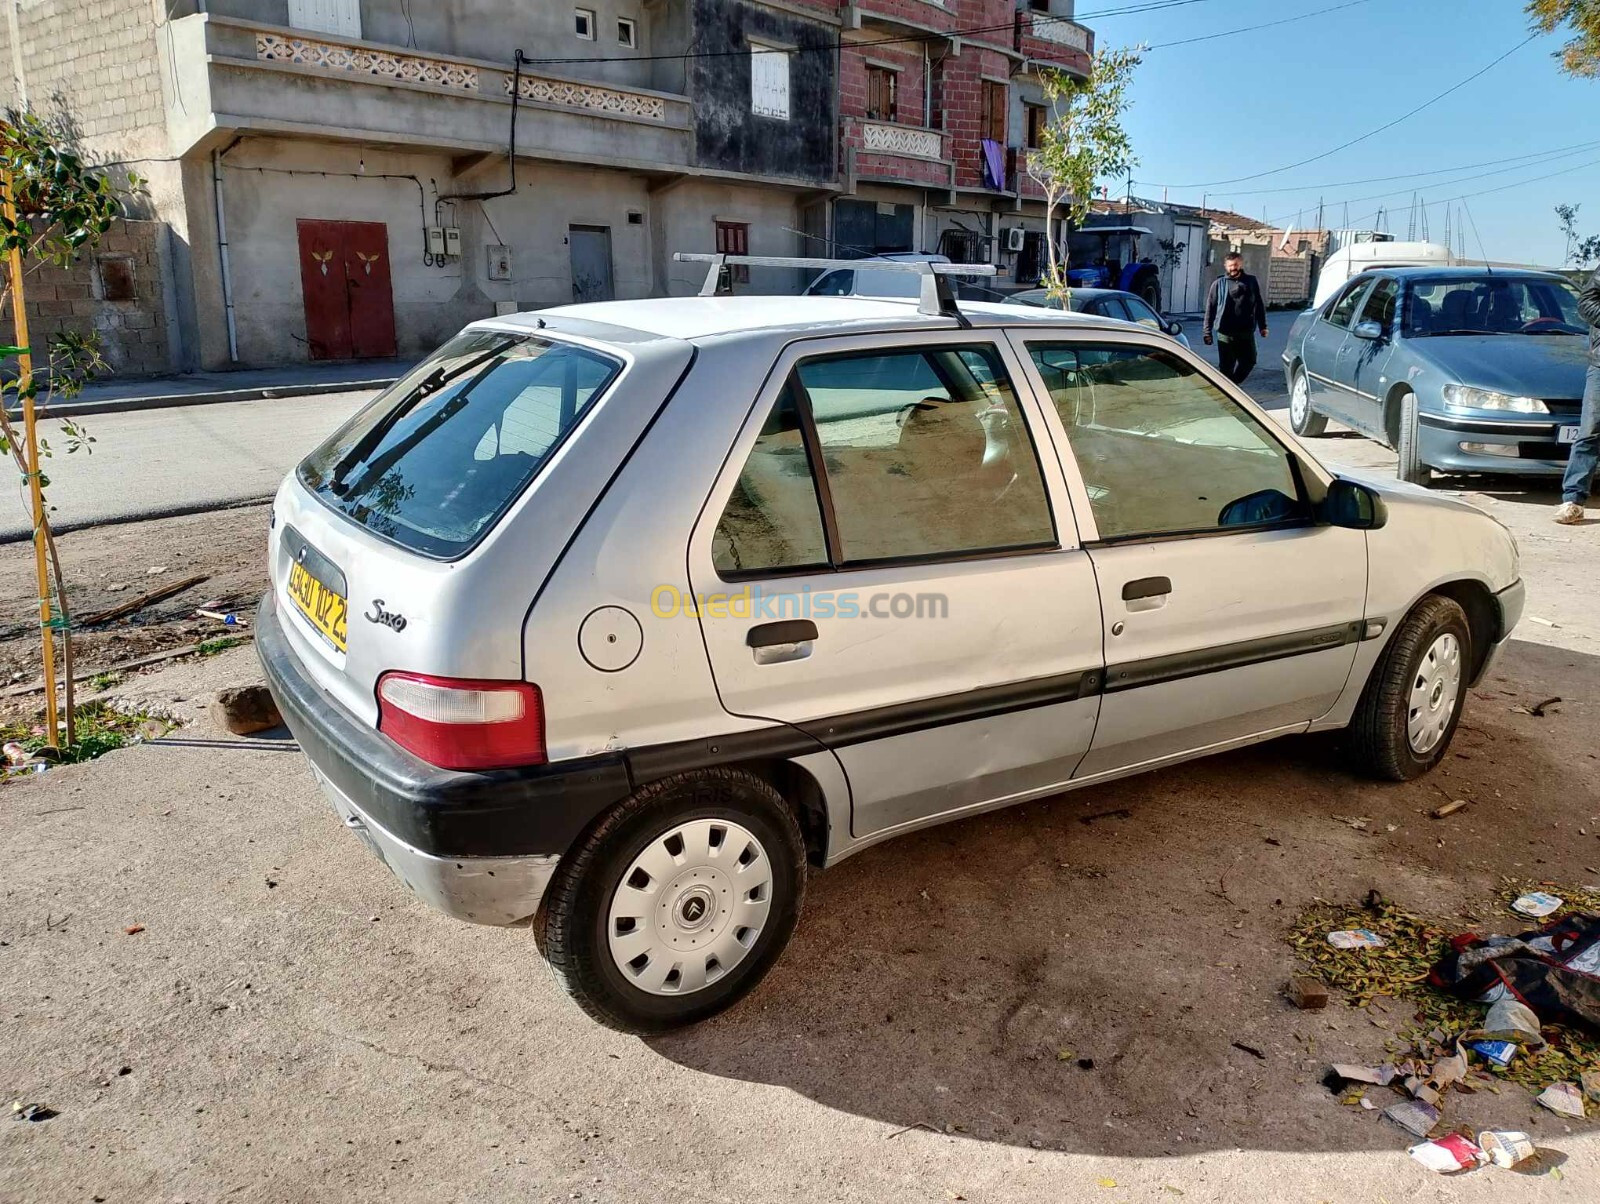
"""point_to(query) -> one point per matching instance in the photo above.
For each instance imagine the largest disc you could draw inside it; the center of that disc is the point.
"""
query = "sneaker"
(1569, 514)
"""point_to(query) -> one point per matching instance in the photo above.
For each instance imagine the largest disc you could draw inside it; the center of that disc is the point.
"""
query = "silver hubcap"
(690, 907)
(1434, 691)
(1300, 399)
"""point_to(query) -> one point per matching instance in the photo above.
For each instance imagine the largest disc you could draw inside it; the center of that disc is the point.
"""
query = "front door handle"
(1146, 587)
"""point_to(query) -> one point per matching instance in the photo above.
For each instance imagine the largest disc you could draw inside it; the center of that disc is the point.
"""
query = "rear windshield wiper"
(426, 387)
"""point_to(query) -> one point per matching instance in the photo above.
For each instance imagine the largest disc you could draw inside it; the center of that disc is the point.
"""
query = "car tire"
(1413, 700)
(584, 932)
(1409, 467)
(1307, 423)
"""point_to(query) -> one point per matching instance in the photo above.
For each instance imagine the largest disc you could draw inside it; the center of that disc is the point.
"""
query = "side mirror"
(1174, 328)
(1367, 330)
(1351, 504)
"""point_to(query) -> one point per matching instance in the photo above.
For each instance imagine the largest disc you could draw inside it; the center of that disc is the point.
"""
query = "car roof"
(696, 318)
(1442, 272)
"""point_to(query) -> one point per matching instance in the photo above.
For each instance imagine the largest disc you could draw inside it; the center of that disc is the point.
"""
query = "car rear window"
(434, 462)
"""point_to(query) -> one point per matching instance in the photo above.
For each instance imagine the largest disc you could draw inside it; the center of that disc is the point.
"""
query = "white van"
(1349, 262)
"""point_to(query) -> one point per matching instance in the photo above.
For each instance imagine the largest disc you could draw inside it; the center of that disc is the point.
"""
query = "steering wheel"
(1541, 324)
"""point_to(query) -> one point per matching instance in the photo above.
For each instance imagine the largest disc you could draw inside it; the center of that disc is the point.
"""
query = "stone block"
(244, 710)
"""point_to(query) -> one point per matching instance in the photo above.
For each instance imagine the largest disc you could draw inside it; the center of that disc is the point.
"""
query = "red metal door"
(344, 278)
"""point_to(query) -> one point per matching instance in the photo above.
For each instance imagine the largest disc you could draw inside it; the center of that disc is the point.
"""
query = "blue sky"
(1260, 100)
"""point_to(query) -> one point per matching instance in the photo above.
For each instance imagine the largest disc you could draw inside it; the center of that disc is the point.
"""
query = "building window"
(584, 17)
(769, 82)
(116, 277)
(1039, 6)
(1038, 118)
(733, 238)
(881, 83)
(627, 32)
(994, 111)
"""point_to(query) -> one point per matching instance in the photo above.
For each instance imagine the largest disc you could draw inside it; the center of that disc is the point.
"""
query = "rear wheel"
(678, 903)
(1307, 423)
(1410, 466)
(1413, 700)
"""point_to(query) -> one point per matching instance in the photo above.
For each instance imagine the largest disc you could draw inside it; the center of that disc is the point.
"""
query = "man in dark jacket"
(1235, 311)
(1586, 451)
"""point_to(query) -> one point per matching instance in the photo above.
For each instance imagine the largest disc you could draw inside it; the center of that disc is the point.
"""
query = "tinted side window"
(1380, 303)
(834, 284)
(1345, 307)
(1142, 313)
(773, 520)
(1162, 450)
(926, 454)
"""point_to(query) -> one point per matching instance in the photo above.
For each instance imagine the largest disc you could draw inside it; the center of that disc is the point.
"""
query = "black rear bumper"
(441, 812)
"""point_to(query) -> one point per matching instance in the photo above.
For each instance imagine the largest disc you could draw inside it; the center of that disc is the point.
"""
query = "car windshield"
(435, 460)
(1492, 304)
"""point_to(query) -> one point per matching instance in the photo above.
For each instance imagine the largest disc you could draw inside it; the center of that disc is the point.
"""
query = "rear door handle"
(785, 640)
(1146, 587)
(785, 631)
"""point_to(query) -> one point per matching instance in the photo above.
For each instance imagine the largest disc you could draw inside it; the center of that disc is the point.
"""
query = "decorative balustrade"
(902, 140)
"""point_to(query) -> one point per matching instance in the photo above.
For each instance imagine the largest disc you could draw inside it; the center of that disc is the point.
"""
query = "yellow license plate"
(326, 610)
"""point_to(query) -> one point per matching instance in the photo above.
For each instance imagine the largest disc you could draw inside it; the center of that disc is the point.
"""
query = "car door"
(1364, 362)
(889, 566)
(1229, 613)
(1323, 345)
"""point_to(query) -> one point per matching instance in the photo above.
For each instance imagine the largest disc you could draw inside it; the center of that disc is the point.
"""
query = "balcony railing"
(1062, 31)
(910, 140)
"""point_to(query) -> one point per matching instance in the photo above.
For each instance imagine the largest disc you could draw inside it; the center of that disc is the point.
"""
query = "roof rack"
(937, 300)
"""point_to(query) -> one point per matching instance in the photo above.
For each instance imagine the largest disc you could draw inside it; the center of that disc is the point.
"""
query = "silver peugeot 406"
(616, 618)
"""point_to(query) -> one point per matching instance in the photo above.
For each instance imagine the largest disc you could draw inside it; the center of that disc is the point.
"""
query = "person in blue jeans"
(1586, 451)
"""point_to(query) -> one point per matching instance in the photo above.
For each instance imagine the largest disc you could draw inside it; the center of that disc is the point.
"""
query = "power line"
(1554, 152)
(1388, 125)
(1482, 175)
(1228, 33)
(931, 36)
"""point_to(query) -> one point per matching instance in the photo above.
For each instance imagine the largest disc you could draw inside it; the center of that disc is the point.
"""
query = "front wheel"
(1413, 700)
(1410, 467)
(1307, 423)
(678, 903)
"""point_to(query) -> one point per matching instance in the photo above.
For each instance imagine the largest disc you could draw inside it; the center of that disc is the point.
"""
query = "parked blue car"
(1460, 370)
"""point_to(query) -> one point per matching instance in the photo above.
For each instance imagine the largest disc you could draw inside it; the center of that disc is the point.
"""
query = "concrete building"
(345, 179)
(336, 179)
(939, 105)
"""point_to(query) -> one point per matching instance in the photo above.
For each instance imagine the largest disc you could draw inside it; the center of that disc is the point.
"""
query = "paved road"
(175, 461)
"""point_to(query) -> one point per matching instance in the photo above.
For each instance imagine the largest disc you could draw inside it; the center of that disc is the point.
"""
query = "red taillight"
(458, 724)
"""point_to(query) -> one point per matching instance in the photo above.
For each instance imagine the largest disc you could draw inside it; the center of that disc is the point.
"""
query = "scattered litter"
(1378, 1076)
(161, 568)
(1452, 1152)
(1538, 708)
(1498, 1053)
(1505, 1147)
(1413, 1116)
(1065, 1055)
(160, 594)
(1367, 1104)
(1543, 622)
(227, 620)
(1307, 993)
(1359, 822)
(1250, 1049)
(1564, 1099)
(1356, 938)
(1449, 808)
(1108, 1182)
(1085, 1063)
(1537, 904)
(134, 929)
(15, 753)
(33, 1112)
(1510, 1020)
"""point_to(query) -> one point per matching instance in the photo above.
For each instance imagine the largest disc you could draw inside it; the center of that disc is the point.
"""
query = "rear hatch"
(404, 543)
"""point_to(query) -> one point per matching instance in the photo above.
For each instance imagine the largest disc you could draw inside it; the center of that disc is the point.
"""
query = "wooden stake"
(19, 314)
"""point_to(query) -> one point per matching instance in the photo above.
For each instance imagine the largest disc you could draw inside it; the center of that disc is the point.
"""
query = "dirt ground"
(108, 566)
(290, 1025)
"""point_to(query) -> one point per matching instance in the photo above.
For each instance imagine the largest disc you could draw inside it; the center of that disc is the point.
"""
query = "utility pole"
(1424, 211)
